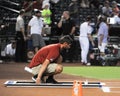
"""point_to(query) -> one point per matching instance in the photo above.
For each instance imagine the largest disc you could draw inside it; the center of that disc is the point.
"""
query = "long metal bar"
(13, 83)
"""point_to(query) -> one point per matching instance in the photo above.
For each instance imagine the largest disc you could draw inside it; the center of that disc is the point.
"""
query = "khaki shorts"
(50, 69)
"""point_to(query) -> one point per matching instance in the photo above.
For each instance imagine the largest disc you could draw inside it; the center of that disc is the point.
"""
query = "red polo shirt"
(50, 52)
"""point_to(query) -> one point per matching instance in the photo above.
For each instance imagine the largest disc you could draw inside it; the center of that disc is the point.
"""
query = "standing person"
(84, 38)
(67, 24)
(35, 28)
(20, 54)
(46, 14)
(68, 28)
(102, 35)
(47, 61)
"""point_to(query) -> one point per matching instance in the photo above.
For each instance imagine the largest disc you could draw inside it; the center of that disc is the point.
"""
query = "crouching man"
(47, 61)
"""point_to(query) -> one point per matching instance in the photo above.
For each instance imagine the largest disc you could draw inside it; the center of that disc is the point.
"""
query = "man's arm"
(60, 22)
(28, 30)
(91, 39)
(23, 32)
(21, 23)
(42, 70)
(72, 31)
(101, 39)
(59, 60)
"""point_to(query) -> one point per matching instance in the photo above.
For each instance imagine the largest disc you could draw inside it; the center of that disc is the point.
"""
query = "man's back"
(50, 52)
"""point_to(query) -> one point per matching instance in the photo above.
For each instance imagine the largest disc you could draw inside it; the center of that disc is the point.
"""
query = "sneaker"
(103, 63)
(51, 80)
(83, 63)
(88, 64)
(42, 79)
(34, 78)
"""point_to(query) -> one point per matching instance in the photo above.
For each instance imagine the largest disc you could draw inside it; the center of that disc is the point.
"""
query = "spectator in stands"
(20, 55)
(10, 50)
(84, 38)
(68, 28)
(102, 35)
(94, 3)
(115, 8)
(46, 14)
(74, 11)
(37, 4)
(84, 3)
(106, 9)
(45, 2)
(35, 27)
(55, 1)
(29, 5)
(116, 18)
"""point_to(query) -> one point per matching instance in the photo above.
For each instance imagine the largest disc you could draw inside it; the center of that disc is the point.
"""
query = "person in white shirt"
(35, 28)
(116, 18)
(10, 50)
(84, 38)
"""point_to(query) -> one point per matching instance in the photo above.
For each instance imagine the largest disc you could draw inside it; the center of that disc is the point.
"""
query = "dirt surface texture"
(15, 71)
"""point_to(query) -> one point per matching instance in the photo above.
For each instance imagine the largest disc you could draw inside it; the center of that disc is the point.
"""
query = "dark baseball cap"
(37, 11)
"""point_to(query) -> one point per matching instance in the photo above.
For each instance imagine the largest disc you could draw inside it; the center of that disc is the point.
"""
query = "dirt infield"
(15, 71)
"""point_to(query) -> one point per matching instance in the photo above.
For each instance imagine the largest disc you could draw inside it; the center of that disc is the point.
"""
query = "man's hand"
(100, 44)
(38, 81)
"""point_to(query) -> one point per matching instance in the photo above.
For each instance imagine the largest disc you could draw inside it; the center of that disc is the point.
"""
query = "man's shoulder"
(9, 45)
(19, 18)
(53, 45)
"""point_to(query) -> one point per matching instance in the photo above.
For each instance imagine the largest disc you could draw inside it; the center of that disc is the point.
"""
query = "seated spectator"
(116, 18)
(44, 2)
(29, 5)
(74, 11)
(84, 3)
(94, 3)
(106, 9)
(37, 4)
(55, 1)
(115, 8)
(10, 50)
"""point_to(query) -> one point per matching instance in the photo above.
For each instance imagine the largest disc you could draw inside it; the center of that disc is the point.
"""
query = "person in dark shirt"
(68, 28)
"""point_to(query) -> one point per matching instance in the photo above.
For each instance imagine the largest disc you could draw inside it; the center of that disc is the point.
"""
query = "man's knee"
(59, 69)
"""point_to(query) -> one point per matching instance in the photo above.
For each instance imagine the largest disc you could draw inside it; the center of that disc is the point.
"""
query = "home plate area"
(86, 84)
(77, 87)
(26, 83)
